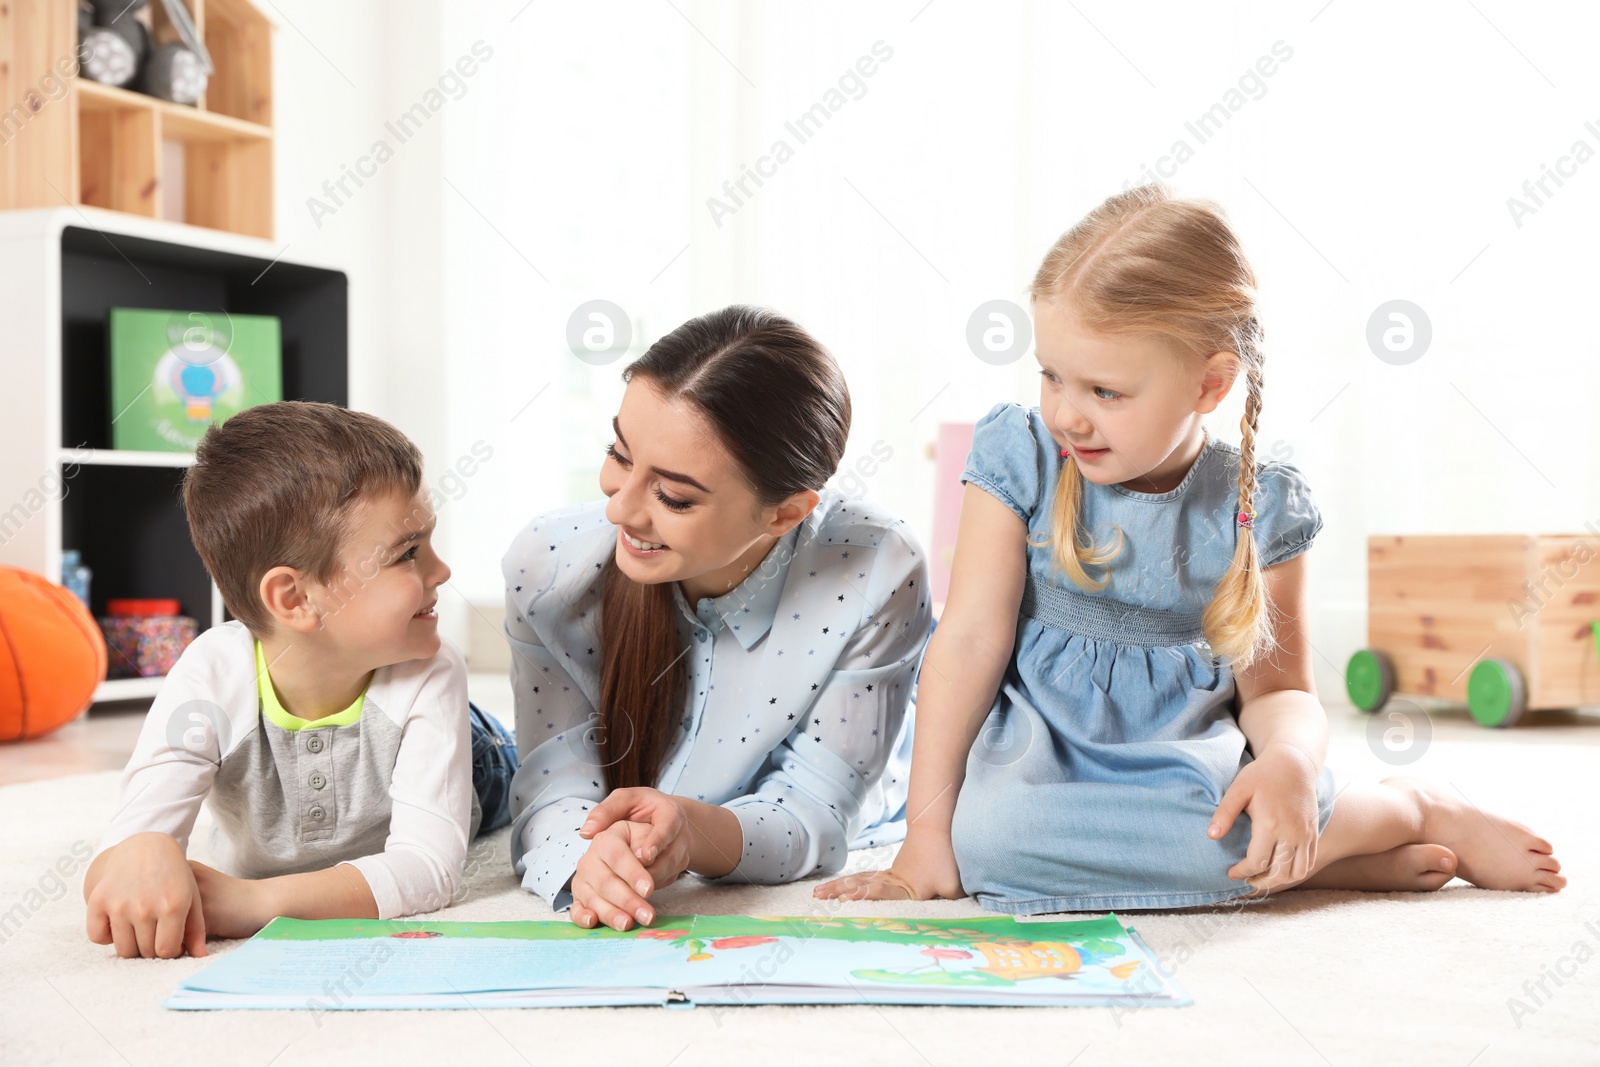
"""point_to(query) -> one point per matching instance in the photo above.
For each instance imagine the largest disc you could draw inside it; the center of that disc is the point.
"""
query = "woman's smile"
(638, 546)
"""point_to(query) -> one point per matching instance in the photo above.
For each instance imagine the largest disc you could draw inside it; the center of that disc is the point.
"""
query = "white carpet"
(1313, 978)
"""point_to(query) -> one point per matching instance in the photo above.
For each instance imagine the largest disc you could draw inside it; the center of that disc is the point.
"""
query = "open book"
(337, 964)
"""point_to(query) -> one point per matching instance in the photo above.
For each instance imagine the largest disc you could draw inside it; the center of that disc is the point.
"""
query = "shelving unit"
(61, 483)
(102, 146)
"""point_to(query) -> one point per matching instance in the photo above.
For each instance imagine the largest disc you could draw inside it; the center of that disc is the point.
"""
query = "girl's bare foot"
(1409, 868)
(1491, 851)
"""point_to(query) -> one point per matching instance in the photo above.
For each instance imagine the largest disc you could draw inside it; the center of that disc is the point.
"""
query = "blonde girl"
(1125, 634)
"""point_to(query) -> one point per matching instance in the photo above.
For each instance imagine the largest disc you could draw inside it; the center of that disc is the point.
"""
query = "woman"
(722, 651)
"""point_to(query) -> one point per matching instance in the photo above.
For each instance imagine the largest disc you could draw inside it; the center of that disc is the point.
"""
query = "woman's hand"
(234, 907)
(610, 885)
(664, 844)
(925, 867)
(645, 839)
(638, 844)
(1278, 789)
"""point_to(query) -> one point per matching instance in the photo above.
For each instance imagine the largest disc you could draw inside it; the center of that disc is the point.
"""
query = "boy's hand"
(925, 867)
(234, 907)
(1278, 789)
(610, 884)
(142, 897)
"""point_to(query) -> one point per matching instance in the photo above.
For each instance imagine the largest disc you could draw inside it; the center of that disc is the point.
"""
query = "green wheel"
(1496, 695)
(1369, 679)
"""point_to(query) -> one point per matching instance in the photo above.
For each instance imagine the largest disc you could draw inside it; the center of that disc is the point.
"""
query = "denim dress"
(1113, 736)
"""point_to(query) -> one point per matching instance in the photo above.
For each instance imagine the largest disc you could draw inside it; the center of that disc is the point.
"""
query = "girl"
(1134, 589)
(723, 650)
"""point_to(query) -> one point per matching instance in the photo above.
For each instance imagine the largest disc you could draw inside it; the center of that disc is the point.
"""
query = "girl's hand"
(234, 907)
(1278, 789)
(611, 885)
(925, 867)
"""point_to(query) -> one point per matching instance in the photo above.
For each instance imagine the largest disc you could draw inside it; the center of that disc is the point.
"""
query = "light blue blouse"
(798, 685)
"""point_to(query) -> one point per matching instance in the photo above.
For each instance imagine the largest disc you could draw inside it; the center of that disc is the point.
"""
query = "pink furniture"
(949, 460)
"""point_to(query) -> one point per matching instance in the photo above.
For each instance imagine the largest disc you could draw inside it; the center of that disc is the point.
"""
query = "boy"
(327, 724)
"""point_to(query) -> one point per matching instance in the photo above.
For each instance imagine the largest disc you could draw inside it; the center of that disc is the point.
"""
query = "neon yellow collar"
(276, 714)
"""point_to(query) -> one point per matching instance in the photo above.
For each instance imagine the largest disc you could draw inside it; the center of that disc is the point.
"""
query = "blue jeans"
(494, 761)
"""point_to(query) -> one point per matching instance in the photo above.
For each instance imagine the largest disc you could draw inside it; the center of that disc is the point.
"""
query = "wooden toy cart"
(1505, 623)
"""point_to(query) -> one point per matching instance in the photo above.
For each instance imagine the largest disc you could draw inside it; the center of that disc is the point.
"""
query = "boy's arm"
(431, 808)
(238, 907)
(139, 892)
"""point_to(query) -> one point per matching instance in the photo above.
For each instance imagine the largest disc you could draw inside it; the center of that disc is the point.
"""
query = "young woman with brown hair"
(723, 651)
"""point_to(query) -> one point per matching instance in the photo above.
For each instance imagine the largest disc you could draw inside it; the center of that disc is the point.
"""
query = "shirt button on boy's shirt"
(318, 781)
(314, 743)
(316, 812)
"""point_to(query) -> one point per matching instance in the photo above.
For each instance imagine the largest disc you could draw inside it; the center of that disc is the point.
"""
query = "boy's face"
(379, 608)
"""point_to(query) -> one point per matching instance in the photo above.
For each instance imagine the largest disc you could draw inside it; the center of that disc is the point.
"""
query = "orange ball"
(52, 655)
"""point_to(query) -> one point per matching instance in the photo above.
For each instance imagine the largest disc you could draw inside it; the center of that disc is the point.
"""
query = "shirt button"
(318, 781)
(314, 743)
(317, 812)
(700, 634)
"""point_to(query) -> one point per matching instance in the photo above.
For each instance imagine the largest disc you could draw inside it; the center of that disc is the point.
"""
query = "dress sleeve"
(431, 790)
(800, 815)
(1006, 460)
(1287, 518)
(559, 775)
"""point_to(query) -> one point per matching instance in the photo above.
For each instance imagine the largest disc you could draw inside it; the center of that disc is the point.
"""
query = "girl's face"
(1127, 406)
(683, 509)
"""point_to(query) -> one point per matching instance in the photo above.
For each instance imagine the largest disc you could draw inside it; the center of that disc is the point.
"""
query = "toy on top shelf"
(115, 47)
(162, 110)
(1506, 623)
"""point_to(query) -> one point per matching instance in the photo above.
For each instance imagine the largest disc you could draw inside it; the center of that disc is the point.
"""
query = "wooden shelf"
(178, 122)
(108, 147)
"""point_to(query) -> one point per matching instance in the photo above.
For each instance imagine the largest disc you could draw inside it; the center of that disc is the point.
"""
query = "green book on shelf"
(174, 373)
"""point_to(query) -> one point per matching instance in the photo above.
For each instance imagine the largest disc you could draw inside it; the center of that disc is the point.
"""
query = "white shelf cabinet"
(62, 485)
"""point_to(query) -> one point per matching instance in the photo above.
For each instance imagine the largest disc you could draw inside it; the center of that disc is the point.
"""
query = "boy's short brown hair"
(276, 486)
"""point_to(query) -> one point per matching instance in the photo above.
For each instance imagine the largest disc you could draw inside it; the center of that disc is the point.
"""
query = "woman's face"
(683, 509)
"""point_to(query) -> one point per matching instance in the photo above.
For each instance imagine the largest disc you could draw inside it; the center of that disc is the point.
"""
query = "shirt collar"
(749, 608)
(283, 718)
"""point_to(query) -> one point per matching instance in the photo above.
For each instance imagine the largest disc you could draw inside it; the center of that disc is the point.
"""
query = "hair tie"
(1066, 453)
(1247, 520)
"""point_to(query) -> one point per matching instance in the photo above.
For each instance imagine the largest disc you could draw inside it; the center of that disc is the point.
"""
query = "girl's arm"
(961, 673)
(1277, 696)
(1287, 730)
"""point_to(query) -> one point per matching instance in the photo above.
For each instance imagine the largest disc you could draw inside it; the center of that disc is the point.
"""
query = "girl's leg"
(1415, 868)
(1364, 845)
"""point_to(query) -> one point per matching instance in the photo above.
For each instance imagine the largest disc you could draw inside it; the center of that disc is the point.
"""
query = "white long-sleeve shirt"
(385, 786)
(798, 683)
